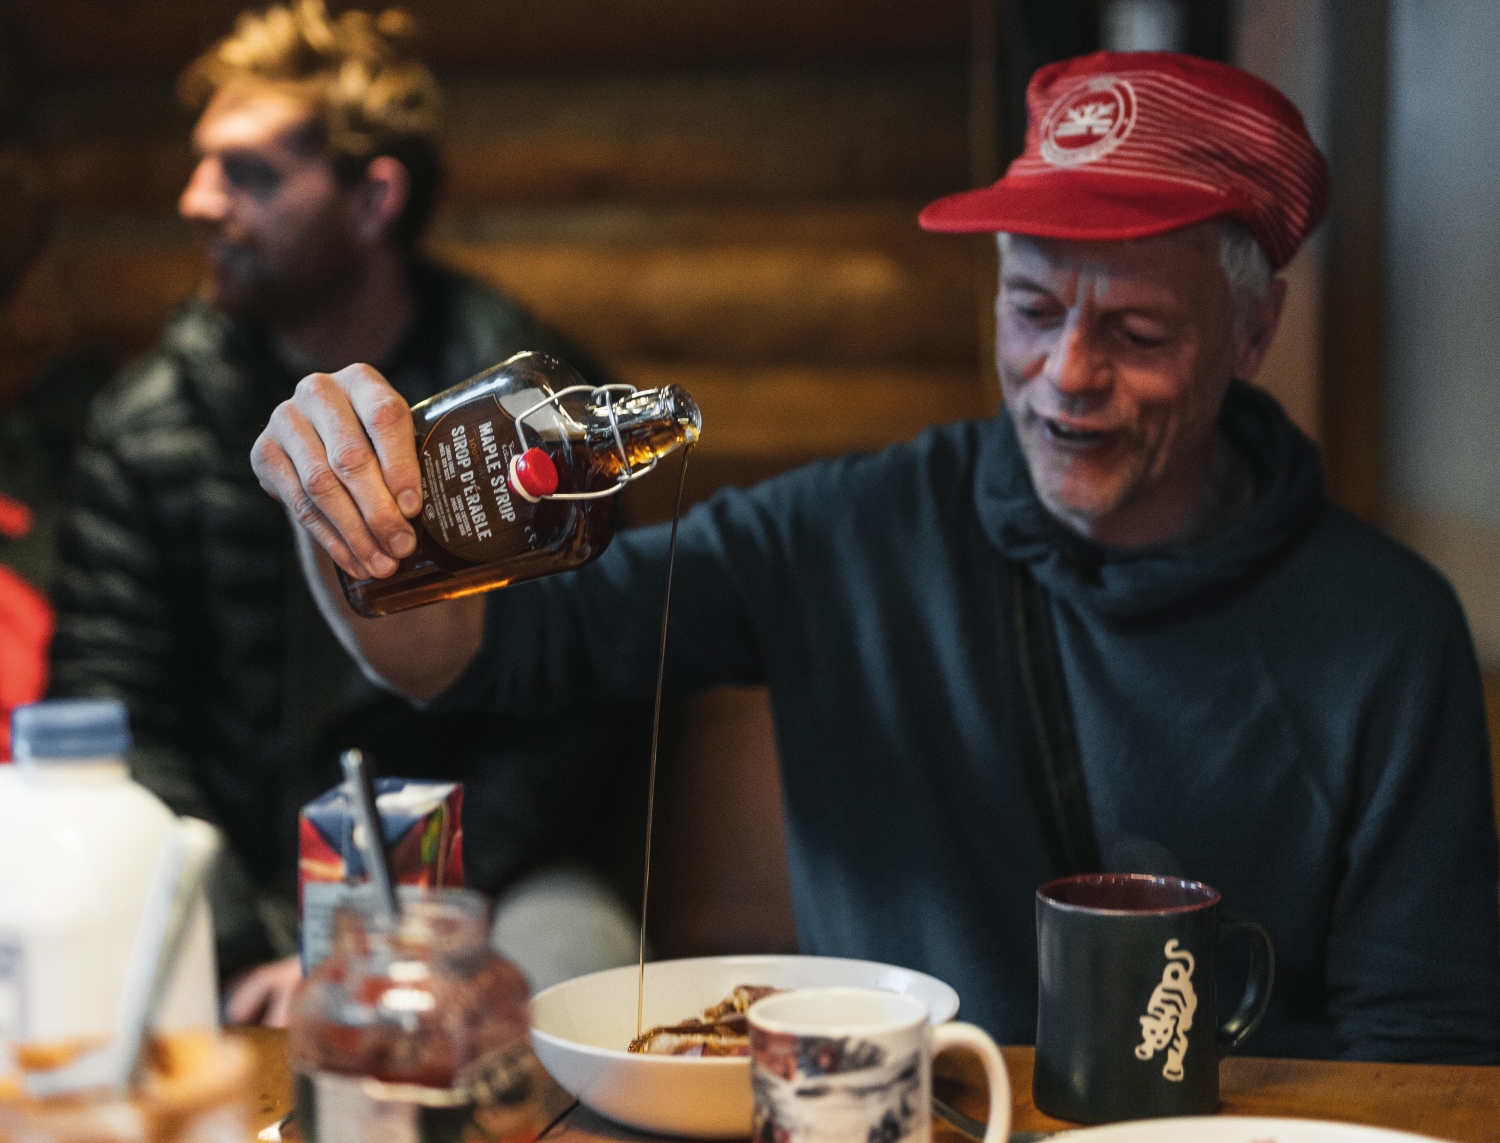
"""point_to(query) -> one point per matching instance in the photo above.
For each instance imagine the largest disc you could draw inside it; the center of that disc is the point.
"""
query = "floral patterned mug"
(854, 1065)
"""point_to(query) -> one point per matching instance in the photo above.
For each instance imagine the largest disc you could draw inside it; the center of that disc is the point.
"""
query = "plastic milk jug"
(79, 843)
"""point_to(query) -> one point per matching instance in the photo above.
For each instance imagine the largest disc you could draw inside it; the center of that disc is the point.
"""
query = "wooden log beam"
(745, 302)
(739, 134)
(759, 421)
(858, 284)
(74, 38)
(798, 412)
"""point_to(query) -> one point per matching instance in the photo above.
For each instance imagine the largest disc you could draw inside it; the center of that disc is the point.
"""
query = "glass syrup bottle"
(519, 467)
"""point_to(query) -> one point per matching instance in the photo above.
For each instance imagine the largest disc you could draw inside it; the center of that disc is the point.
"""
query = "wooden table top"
(1444, 1101)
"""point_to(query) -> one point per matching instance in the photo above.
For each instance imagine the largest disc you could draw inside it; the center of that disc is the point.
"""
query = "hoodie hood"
(1130, 585)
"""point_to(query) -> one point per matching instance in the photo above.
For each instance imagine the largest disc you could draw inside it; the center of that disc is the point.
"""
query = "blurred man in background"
(318, 171)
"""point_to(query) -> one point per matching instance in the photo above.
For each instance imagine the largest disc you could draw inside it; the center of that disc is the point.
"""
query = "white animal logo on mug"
(1100, 940)
(1169, 1015)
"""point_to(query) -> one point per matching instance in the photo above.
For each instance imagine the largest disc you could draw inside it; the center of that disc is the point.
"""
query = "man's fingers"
(328, 538)
(279, 1010)
(282, 978)
(323, 484)
(317, 498)
(248, 998)
(278, 476)
(350, 457)
(342, 458)
(264, 994)
(387, 421)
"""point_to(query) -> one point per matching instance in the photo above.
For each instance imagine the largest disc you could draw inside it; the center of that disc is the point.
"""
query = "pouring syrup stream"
(661, 669)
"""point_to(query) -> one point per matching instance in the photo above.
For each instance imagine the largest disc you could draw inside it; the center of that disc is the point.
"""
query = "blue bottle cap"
(69, 728)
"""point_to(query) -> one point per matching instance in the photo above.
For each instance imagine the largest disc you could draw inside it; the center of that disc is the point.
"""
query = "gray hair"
(1245, 265)
(1247, 268)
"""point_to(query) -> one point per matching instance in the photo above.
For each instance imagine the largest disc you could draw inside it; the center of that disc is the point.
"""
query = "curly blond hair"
(370, 95)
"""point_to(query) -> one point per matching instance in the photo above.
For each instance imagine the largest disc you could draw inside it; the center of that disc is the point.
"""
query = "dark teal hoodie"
(1290, 711)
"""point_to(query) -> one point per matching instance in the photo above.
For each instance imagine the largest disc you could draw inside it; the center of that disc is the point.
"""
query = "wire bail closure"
(614, 425)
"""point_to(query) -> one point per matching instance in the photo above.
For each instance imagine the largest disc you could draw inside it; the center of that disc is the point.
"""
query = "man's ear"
(383, 195)
(1253, 342)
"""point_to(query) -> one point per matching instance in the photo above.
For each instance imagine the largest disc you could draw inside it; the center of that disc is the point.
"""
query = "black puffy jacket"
(179, 593)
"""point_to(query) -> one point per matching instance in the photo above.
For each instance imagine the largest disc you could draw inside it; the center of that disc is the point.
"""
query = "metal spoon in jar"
(370, 836)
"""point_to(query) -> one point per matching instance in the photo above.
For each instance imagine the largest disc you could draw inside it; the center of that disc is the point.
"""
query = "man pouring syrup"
(1136, 560)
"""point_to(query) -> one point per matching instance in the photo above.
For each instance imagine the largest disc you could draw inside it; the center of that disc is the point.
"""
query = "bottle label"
(499, 1098)
(12, 989)
(468, 506)
(322, 899)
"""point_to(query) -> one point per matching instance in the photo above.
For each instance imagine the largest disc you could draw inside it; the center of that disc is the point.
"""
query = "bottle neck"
(97, 771)
(651, 423)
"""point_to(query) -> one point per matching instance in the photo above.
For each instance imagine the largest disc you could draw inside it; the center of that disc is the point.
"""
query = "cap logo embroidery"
(1088, 122)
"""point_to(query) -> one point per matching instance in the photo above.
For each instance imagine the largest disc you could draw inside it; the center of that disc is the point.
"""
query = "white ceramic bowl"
(582, 1027)
(1230, 1129)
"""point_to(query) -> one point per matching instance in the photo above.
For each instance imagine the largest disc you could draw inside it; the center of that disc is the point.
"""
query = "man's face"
(278, 225)
(1114, 358)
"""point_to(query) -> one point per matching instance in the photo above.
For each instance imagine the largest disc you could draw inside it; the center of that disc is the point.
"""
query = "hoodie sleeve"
(595, 633)
(1413, 960)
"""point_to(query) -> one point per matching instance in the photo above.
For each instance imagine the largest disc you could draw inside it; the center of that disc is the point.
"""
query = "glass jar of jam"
(416, 1031)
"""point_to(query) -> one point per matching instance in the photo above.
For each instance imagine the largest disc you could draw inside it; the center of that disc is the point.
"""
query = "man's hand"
(342, 457)
(264, 994)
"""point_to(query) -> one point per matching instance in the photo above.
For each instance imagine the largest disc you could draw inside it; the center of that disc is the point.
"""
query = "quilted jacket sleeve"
(119, 621)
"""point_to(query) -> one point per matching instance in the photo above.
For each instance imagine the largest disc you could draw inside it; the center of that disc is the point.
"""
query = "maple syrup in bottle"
(518, 466)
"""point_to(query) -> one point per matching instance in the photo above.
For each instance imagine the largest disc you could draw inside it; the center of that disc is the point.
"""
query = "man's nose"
(1076, 365)
(203, 199)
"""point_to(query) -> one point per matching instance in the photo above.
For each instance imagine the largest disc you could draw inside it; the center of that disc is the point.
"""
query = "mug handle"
(1257, 998)
(977, 1040)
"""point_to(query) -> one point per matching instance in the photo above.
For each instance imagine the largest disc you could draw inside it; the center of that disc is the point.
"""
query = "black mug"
(1126, 1026)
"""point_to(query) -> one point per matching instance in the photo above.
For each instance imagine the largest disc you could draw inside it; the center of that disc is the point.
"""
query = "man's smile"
(1071, 437)
(1074, 435)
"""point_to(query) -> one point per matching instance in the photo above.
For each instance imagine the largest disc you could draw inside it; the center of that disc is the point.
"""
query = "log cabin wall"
(719, 195)
(722, 196)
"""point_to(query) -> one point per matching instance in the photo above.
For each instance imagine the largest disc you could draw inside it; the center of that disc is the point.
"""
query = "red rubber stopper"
(535, 474)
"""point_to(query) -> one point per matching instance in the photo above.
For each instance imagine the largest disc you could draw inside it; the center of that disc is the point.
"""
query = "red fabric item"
(1126, 144)
(15, 518)
(25, 633)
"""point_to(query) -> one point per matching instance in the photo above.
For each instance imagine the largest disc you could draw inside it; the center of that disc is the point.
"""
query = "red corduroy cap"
(1126, 144)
